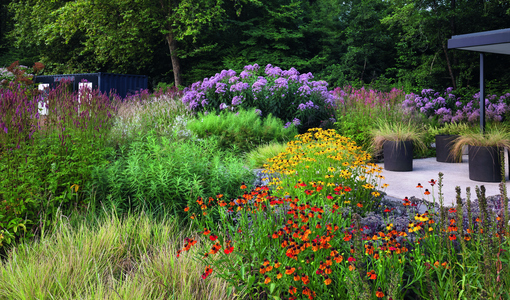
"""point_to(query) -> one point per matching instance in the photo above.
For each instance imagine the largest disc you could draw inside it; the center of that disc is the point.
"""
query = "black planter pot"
(444, 144)
(484, 164)
(398, 156)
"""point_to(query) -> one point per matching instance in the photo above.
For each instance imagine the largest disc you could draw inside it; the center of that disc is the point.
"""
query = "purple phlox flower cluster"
(258, 112)
(239, 87)
(245, 74)
(223, 106)
(292, 72)
(304, 90)
(307, 105)
(233, 79)
(273, 71)
(304, 78)
(221, 87)
(259, 84)
(426, 92)
(237, 100)
(281, 83)
(252, 68)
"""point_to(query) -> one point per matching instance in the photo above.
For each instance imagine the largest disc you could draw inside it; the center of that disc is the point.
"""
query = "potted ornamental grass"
(397, 141)
(445, 136)
(485, 152)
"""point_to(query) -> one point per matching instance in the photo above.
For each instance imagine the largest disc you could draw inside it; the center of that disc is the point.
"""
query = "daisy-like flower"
(305, 279)
(208, 271)
(379, 293)
(186, 208)
(267, 279)
(292, 290)
(213, 237)
(419, 186)
(426, 192)
(372, 275)
(289, 270)
(278, 275)
(327, 280)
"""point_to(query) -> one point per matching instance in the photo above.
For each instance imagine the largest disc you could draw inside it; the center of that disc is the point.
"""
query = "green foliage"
(257, 157)
(165, 175)
(241, 131)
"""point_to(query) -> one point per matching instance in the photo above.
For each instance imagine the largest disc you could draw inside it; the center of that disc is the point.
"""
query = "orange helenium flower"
(379, 293)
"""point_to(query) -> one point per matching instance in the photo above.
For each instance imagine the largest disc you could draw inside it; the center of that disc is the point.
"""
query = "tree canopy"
(384, 42)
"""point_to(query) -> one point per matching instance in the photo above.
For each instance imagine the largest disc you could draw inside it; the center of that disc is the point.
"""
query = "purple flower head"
(239, 87)
(304, 90)
(296, 122)
(221, 87)
(458, 104)
(250, 68)
(287, 125)
(259, 84)
(281, 83)
(237, 100)
(244, 74)
(426, 92)
(291, 72)
(449, 90)
(233, 79)
(303, 78)
(273, 71)
(223, 106)
(258, 112)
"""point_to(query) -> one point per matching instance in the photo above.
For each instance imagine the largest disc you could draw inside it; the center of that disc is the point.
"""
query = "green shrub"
(243, 130)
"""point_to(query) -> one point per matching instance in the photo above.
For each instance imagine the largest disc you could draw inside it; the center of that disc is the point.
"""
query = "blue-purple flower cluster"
(447, 107)
(286, 94)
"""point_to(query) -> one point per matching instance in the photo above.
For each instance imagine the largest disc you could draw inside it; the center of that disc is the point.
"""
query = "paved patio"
(402, 184)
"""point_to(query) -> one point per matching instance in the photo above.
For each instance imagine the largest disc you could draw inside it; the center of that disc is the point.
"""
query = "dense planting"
(314, 225)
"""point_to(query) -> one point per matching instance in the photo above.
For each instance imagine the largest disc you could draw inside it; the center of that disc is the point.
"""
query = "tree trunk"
(176, 65)
(454, 85)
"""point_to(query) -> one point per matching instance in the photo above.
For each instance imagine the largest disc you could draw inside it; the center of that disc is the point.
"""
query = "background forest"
(382, 43)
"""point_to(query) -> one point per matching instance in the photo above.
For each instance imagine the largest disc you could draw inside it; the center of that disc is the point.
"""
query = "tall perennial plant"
(293, 97)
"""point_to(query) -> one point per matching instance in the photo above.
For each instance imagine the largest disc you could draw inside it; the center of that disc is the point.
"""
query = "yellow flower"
(75, 187)
(376, 194)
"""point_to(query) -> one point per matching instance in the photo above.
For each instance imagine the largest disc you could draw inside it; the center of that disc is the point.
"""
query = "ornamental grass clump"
(328, 168)
(286, 94)
(161, 111)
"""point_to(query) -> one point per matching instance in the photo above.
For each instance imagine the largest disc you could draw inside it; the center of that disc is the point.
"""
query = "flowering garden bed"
(316, 225)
